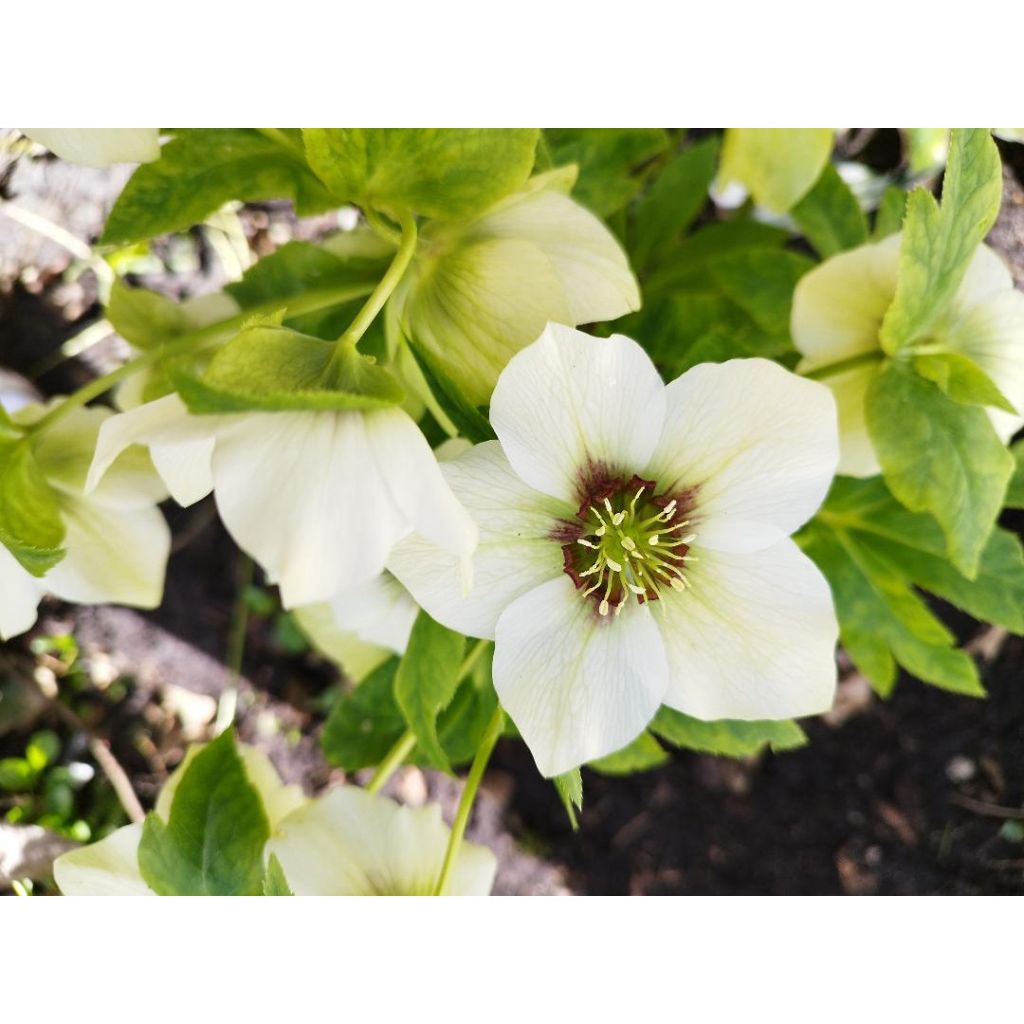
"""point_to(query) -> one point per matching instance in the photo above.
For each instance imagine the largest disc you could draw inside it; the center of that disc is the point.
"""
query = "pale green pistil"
(638, 548)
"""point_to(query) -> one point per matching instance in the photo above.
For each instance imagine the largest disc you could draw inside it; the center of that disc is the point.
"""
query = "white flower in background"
(361, 627)
(99, 147)
(349, 842)
(634, 544)
(117, 541)
(110, 867)
(838, 309)
(317, 498)
(345, 843)
(480, 291)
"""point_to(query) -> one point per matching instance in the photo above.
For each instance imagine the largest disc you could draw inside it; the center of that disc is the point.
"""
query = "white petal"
(114, 556)
(578, 686)
(66, 450)
(856, 451)
(515, 553)
(755, 444)
(20, 594)
(586, 256)
(99, 147)
(992, 334)
(353, 843)
(107, 868)
(570, 406)
(181, 445)
(278, 799)
(838, 307)
(321, 498)
(987, 275)
(752, 638)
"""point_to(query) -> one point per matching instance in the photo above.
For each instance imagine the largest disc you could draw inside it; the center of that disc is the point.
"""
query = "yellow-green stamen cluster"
(629, 544)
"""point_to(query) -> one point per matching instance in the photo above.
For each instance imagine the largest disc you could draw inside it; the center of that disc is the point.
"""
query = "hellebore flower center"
(627, 540)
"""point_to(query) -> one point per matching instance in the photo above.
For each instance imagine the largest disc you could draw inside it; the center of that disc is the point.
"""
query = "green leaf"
(462, 725)
(199, 171)
(729, 738)
(643, 754)
(882, 621)
(961, 379)
(274, 882)
(366, 723)
(438, 172)
(569, 786)
(889, 218)
(466, 417)
(761, 284)
(273, 368)
(676, 196)
(212, 843)
(610, 162)
(31, 527)
(830, 216)
(938, 243)
(425, 683)
(1015, 492)
(686, 265)
(939, 457)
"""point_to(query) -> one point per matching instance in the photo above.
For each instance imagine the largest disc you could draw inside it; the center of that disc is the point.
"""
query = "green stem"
(388, 283)
(850, 363)
(407, 741)
(392, 761)
(309, 302)
(476, 774)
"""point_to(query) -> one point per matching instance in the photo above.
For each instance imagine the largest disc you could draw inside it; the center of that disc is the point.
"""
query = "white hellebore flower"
(345, 843)
(99, 147)
(116, 541)
(317, 498)
(839, 306)
(634, 544)
(349, 842)
(110, 867)
(360, 628)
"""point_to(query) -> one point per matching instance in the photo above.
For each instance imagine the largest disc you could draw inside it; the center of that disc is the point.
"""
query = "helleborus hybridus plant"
(635, 545)
(839, 307)
(317, 498)
(99, 147)
(111, 544)
(479, 291)
(225, 824)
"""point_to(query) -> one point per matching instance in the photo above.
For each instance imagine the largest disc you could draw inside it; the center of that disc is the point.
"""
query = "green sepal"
(569, 786)
(438, 172)
(274, 881)
(199, 171)
(830, 216)
(426, 681)
(145, 319)
(212, 843)
(273, 369)
(961, 379)
(31, 527)
(726, 737)
(939, 242)
(940, 457)
(642, 755)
